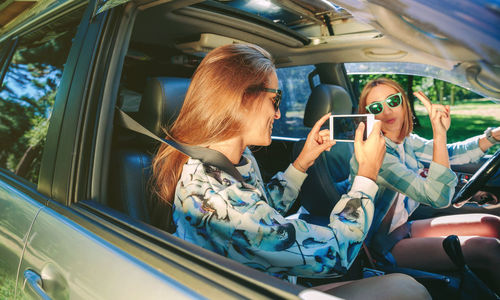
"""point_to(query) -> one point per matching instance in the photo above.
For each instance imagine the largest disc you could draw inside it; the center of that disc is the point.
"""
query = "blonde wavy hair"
(224, 88)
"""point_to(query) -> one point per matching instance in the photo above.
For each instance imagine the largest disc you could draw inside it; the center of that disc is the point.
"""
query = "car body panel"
(85, 266)
(17, 213)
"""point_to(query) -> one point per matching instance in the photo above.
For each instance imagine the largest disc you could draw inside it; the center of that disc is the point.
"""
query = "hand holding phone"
(370, 153)
(343, 127)
(317, 141)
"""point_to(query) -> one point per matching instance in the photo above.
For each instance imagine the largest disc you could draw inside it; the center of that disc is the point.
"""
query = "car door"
(77, 247)
(63, 260)
(17, 212)
(32, 64)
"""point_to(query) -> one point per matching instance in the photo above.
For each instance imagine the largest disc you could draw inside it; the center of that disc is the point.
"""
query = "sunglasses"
(378, 107)
(276, 99)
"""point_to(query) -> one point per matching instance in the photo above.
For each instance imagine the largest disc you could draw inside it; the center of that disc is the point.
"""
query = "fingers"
(324, 140)
(369, 153)
(376, 129)
(318, 124)
(423, 98)
(375, 134)
(324, 133)
(358, 136)
(317, 141)
(332, 143)
(438, 114)
(441, 108)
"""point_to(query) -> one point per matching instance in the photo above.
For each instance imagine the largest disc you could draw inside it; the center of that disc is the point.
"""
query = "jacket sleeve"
(464, 152)
(282, 190)
(435, 190)
(237, 221)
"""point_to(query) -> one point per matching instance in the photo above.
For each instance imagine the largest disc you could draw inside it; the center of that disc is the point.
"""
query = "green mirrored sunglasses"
(276, 99)
(378, 107)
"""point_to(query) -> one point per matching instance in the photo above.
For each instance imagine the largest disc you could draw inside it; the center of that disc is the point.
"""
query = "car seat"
(131, 162)
(328, 177)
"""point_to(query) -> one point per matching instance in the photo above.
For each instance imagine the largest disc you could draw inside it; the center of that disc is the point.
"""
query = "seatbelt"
(379, 241)
(205, 155)
(385, 225)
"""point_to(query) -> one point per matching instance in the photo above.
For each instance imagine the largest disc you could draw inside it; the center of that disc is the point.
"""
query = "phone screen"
(343, 127)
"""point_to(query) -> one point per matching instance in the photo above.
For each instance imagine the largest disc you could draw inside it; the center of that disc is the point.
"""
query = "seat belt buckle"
(369, 272)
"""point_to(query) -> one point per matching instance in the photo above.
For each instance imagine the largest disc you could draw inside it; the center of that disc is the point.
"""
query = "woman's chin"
(264, 143)
(393, 128)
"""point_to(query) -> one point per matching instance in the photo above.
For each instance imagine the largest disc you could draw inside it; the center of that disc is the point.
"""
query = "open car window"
(415, 69)
(472, 111)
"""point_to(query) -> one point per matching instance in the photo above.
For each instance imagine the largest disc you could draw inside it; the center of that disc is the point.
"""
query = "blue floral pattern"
(244, 221)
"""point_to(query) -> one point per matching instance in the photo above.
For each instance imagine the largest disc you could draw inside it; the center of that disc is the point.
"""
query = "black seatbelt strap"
(205, 155)
(385, 225)
(379, 242)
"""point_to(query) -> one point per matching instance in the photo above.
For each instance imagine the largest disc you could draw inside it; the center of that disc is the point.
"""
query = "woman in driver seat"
(403, 184)
(231, 104)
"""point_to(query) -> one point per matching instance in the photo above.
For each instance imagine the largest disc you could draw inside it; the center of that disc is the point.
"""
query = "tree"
(27, 96)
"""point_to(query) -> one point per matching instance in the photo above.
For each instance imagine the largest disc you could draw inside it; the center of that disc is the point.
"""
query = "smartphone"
(343, 127)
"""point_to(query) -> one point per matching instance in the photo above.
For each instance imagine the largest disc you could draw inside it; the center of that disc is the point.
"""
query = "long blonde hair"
(224, 88)
(407, 127)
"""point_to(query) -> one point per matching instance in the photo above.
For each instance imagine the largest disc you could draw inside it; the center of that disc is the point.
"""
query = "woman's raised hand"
(370, 153)
(317, 141)
(438, 114)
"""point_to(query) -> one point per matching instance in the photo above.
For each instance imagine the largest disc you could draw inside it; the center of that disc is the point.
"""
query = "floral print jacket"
(244, 220)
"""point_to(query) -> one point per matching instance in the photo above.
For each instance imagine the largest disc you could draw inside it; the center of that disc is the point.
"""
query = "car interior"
(168, 41)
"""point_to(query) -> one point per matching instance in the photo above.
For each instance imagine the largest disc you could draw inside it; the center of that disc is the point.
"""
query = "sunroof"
(288, 13)
(266, 9)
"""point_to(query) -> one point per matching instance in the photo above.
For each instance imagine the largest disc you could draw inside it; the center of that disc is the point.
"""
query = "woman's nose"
(387, 108)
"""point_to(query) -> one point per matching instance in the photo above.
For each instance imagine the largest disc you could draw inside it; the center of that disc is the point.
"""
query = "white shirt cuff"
(364, 185)
(294, 176)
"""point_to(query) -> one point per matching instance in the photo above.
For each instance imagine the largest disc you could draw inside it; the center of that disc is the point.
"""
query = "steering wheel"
(487, 170)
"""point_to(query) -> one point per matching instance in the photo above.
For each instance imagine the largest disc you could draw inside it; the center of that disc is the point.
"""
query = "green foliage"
(462, 127)
(7, 284)
(27, 96)
(437, 90)
(24, 118)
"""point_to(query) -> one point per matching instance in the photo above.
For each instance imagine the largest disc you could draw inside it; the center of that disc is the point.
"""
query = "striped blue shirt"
(434, 188)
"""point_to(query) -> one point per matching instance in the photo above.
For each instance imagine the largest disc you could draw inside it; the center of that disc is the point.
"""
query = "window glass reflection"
(28, 93)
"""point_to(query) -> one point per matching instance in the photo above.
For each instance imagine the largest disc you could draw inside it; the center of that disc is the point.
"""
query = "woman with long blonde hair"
(404, 184)
(232, 103)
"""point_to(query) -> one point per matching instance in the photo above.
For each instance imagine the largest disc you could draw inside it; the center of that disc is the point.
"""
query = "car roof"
(299, 32)
(455, 35)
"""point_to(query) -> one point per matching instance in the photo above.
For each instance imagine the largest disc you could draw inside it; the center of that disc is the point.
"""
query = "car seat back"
(131, 166)
(327, 178)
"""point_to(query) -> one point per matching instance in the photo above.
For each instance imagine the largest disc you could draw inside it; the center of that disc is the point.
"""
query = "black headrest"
(161, 102)
(326, 98)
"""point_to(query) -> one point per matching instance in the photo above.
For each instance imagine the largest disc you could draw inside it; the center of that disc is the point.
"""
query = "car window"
(406, 68)
(28, 93)
(471, 112)
(294, 83)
